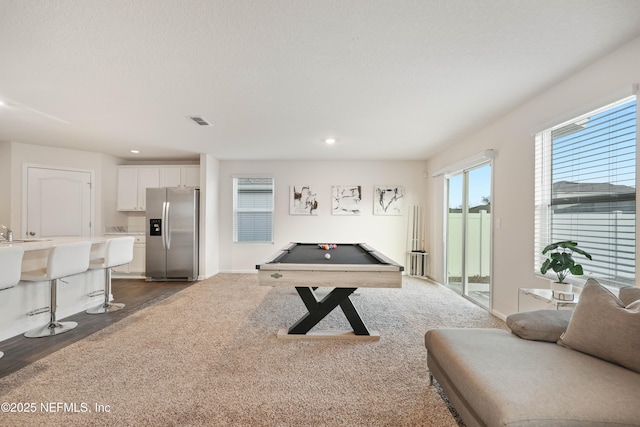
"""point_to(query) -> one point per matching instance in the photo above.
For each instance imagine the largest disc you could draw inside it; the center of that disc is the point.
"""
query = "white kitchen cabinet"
(190, 176)
(137, 266)
(132, 187)
(147, 178)
(170, 177)
(127, 189)
(180, 176)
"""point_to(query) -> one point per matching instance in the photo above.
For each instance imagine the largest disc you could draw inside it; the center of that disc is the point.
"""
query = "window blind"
(586, 190)
(253, 209)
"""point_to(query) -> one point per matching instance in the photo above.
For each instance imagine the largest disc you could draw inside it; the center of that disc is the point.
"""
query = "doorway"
(468, 227)
(58, 203)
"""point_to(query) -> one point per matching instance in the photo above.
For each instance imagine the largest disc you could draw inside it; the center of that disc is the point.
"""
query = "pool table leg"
(359, 328)
(318, 310)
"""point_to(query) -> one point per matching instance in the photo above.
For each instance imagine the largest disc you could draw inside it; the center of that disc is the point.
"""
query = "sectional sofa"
(555, 368)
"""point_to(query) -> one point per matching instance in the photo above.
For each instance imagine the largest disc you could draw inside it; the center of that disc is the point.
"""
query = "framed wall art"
(388, 200)
(302, 200)
(346, 199)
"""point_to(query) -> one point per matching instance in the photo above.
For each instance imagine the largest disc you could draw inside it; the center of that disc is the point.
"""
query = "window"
(586, 190)
(253, 210)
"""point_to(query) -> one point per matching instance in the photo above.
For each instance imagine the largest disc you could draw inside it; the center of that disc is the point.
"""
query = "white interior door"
(59, 203)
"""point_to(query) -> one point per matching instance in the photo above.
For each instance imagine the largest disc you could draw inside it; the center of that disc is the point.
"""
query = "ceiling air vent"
(200, 120)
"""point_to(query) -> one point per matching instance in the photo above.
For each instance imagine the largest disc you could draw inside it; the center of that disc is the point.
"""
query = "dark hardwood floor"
(136, 294)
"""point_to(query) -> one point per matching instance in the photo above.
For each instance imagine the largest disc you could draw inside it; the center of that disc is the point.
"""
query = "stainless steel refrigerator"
(172, 234)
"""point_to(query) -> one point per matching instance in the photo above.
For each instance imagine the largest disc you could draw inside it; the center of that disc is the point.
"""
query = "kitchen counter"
(38, 244)
(23, 306)
(117, 233)
(36, 251)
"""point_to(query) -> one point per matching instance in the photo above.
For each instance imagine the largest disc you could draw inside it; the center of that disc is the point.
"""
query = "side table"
(530, 299)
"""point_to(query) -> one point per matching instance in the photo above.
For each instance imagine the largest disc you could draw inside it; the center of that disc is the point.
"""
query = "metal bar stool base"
(106, 308)
(51, 329)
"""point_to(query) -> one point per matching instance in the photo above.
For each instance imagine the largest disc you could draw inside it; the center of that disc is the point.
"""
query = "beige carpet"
(208, 356)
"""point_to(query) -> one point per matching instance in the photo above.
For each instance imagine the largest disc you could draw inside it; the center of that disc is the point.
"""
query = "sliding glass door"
(468, 240)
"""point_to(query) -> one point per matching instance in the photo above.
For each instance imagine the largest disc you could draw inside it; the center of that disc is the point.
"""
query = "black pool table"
(350, 266)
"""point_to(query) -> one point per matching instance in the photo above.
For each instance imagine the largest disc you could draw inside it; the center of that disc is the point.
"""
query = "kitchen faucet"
(8, 233)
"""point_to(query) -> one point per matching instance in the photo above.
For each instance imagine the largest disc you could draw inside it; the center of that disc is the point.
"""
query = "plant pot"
(565, 288)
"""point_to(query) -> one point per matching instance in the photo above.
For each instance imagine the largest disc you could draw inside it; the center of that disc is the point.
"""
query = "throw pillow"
(539, 325)
(629, 294)
(603, 327)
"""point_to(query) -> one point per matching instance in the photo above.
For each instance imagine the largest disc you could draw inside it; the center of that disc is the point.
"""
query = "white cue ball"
(327, 256)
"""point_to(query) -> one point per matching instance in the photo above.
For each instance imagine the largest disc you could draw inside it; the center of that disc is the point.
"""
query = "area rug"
(209, 356)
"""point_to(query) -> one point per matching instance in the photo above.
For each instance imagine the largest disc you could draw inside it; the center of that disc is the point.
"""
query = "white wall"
(388, 234)
(511, 136)
(209, 222)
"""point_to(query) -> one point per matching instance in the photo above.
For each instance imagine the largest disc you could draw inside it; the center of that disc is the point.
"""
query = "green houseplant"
(560, 259)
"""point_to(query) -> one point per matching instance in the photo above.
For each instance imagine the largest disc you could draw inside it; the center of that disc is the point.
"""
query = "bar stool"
(65, 259)
(10, 266)
(117, 251)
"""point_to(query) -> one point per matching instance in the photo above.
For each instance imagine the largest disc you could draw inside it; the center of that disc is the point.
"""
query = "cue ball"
(327, 256)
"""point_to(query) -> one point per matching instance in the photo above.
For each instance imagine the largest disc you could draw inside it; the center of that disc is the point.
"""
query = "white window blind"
(253, 209)
(585, 173)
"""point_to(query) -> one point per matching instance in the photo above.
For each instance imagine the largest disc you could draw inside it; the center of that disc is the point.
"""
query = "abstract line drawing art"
(302, 200)
(346, 199)
(388, 200)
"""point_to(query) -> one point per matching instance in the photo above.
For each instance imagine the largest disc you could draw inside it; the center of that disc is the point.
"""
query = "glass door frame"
(464, 172)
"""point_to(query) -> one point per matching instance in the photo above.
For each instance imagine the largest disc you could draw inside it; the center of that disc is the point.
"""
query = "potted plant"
(560, 260)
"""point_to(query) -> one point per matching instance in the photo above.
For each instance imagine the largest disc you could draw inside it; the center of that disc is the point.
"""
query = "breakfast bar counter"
(26, 305)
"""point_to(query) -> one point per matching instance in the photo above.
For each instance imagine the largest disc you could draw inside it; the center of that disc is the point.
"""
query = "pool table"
(350, 266)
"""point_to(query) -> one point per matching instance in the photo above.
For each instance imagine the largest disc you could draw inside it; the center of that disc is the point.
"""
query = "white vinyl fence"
(478, 256)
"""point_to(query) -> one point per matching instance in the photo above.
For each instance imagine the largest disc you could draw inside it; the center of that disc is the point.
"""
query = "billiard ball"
(327, 256)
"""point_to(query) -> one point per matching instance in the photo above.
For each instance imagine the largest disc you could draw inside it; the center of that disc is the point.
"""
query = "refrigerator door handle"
(167, 226)
(163, 226)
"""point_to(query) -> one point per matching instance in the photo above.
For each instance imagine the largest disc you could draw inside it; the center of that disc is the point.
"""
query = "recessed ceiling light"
(330, 141)
(135, 151)
(1, 103)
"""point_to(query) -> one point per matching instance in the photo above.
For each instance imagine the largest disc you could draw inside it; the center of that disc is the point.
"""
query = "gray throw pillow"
(603, 327)
(539, 325)
(629, 294)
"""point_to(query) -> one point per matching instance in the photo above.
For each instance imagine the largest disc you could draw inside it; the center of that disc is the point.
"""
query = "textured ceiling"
(392, 79)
